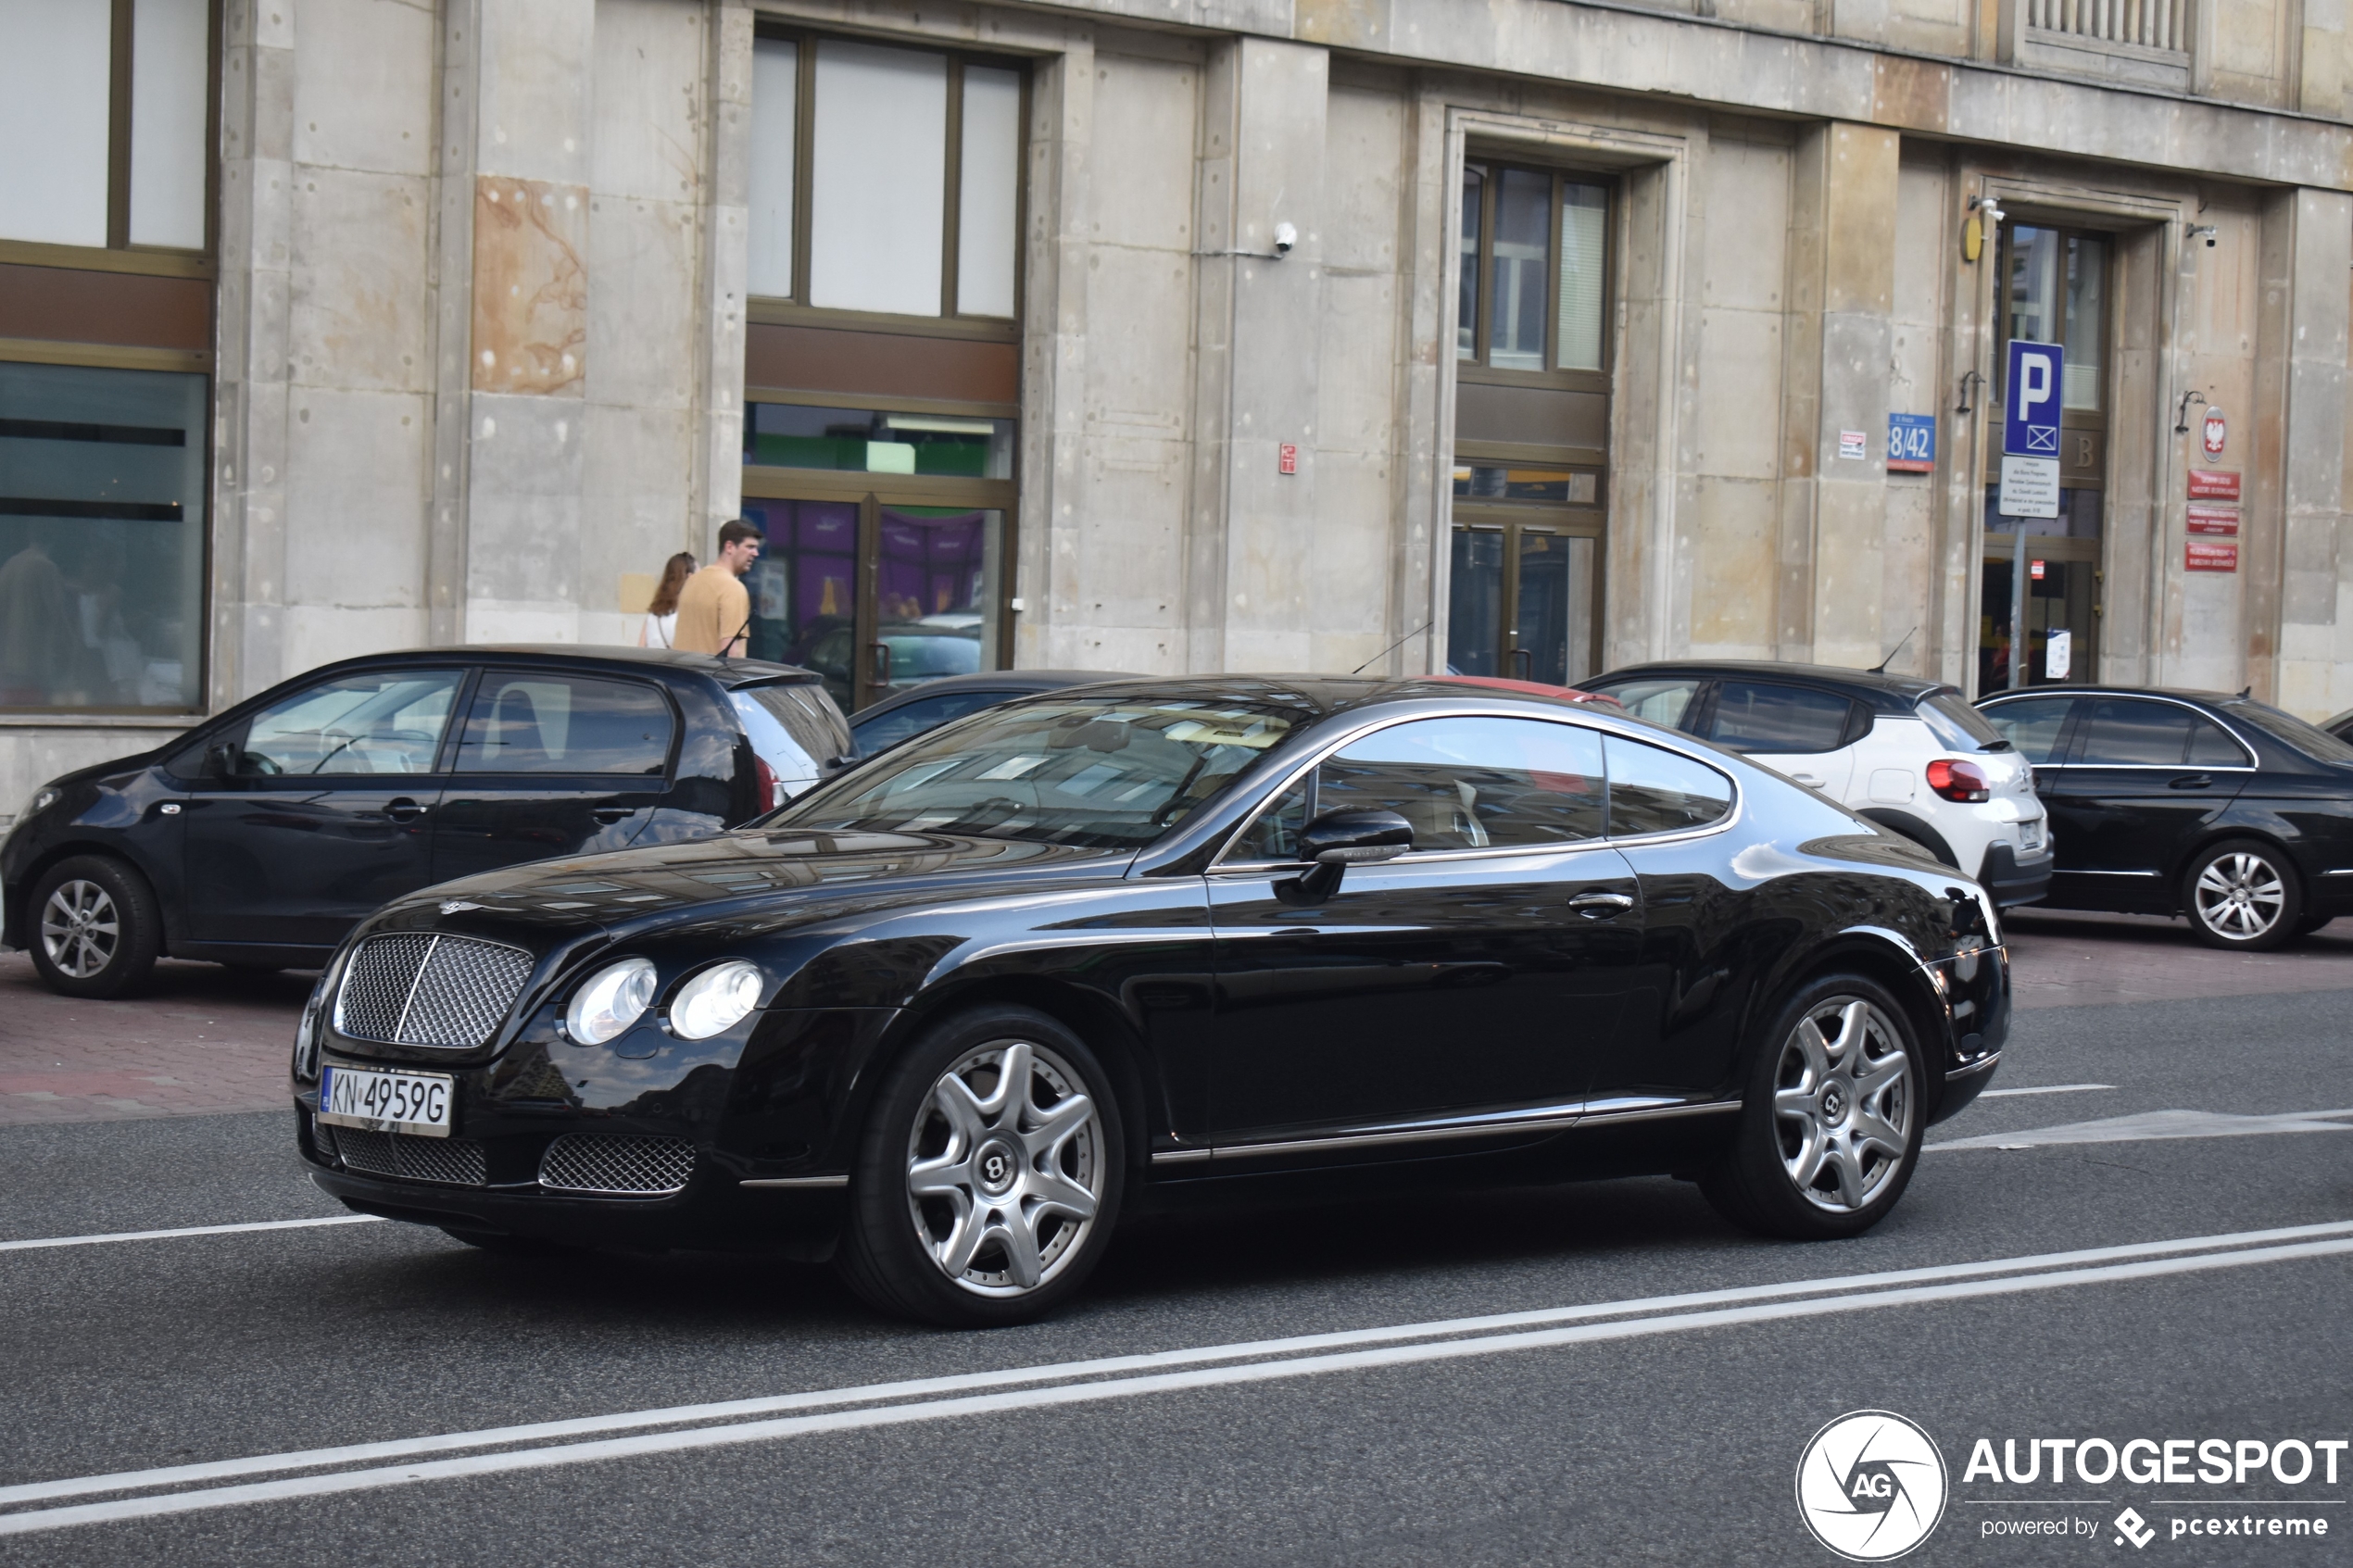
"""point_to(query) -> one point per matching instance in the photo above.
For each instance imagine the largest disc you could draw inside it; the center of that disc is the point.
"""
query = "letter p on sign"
(2031, 413)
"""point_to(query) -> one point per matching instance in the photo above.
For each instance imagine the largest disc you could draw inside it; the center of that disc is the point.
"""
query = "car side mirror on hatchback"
(1338, 840)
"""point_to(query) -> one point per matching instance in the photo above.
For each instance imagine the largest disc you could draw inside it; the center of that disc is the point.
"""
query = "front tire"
(95, 928)
(989, 1176)
(2242, 895)
(1831, 1124)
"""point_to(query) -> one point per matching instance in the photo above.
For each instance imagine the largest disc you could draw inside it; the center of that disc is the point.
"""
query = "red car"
(1534, 688)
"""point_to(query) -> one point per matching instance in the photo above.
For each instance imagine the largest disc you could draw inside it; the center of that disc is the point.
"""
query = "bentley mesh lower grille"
(456, 1161)
(423, 988)
(583, 1162)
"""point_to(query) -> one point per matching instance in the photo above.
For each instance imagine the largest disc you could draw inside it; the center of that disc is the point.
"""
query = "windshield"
(1105, 773)
(1957, 726)
(2309, 739)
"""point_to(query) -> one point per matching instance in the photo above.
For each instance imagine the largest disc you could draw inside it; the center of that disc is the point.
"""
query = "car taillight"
(772, 788)
(1959, 781)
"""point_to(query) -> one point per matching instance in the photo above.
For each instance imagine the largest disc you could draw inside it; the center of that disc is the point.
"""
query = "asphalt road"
(1635, 1431)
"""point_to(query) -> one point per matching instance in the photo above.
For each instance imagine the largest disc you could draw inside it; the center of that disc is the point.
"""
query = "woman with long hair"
(660, 628)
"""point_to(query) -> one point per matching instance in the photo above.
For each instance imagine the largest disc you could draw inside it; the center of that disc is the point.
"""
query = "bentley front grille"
(454, 1162)
(638, 1166)
(423, 988)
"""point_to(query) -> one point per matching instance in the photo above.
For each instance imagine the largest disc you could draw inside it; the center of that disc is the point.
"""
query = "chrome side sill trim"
(1983, 1064)
(1601, 1114)
(2087, 872)
(800, 1184)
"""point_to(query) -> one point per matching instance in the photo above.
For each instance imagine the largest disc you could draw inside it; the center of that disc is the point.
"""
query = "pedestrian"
(659, 629)
(714, 610)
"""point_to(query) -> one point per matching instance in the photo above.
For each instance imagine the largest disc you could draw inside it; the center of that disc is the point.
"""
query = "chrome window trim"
(1732, 816)
(2094, 695)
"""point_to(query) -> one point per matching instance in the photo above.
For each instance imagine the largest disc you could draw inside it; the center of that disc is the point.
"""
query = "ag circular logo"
(1871, 1485)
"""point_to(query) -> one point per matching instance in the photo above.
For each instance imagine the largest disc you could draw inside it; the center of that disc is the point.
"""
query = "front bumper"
(2013, 880)
(1975, 990)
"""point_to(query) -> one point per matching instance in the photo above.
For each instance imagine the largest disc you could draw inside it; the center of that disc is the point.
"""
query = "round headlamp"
(716, 1000)
(614, 997)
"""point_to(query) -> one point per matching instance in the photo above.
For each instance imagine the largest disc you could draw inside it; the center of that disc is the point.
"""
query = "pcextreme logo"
(1871, 1485)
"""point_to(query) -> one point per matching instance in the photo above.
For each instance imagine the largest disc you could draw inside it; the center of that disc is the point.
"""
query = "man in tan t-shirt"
(714, 613)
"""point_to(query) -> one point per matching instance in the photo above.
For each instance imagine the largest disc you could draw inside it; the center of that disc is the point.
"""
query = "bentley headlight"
(614, 997)
(716, 1000)
(42, 800)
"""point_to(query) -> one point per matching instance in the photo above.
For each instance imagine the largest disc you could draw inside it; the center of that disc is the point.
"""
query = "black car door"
(1482, 972)
(2142, 778)
(553, 763)
(316, 809)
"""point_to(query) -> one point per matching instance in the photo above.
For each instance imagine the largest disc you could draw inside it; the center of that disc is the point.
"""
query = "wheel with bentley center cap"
(989, 1175)
(1831, 1126)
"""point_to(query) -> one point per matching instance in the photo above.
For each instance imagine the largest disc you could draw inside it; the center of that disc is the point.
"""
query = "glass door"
(1524, 584)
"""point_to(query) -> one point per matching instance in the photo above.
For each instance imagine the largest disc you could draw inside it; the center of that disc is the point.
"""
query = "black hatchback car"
(2179, 802)
(262, 836)
(949, 1015)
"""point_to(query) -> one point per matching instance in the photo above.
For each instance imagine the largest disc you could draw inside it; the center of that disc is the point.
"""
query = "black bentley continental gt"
(952, 1014)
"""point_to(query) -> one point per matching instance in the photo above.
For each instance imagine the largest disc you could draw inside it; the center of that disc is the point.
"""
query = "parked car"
(911, 713)
(953, 1014)
(259, 837)
(2178, 802)
(1529, 688)
(1910, 755)
(2341, 726)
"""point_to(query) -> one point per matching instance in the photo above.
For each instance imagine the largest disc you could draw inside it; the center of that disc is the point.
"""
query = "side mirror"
(1338, 840)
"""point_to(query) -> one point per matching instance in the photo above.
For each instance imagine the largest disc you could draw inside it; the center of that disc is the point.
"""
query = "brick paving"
(208, 1041)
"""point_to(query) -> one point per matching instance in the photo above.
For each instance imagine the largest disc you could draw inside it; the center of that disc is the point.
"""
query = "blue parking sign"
(2031, 406)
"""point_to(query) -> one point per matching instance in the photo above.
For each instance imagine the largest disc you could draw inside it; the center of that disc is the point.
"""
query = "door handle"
(610, 814)
(882, 663)
(2192, 781)
(1524, 662)
(1600, 906)
(404, 809)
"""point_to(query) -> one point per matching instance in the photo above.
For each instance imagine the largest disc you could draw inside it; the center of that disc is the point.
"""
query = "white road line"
(1128, 1388)
(1056, 1372)
(2045, 1089)
(187, 1230)
(2159, 1125)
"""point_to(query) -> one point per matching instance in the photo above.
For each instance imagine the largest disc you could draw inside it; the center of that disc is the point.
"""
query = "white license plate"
(2030, 835)
(387, 1102)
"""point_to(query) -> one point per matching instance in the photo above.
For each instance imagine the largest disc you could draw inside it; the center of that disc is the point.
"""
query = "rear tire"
(976, 1202)
(95, 928)
(2242, 895)
(2312, 923)
(1832, 1122)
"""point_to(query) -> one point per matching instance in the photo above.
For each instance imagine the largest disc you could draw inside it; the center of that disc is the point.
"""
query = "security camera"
(2204, 232)
(1990, 210)
(1285, 237)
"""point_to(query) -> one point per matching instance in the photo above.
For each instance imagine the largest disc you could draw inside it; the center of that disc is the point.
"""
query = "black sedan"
(952, 1014)
(2177, 802)
(903, 715)
(260, 837)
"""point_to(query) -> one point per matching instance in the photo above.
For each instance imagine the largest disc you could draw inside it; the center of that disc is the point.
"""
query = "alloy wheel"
(2240, 895)
(1842, 1104)
(81, 929)
(1005, 1168)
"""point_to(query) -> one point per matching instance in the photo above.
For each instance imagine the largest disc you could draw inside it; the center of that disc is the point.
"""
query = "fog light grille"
(640, 1166)
(454, 1162)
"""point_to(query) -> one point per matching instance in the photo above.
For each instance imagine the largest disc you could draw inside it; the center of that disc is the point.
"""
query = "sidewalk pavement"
(207, 1041)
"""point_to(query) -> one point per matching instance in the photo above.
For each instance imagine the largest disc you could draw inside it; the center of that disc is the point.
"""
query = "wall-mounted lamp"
(1984, 213)
(1969, 379)
(2204, 232)
(2181, 418)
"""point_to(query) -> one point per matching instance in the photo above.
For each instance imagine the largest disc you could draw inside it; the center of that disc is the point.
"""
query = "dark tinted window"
(1762, 716)
(1473, 783)
(382, 723)
(1957, 725)
(542, 723)
(2032, 725)
(1651, 790)
(2317, 744)
(889, 729)
(2125, 733)
(1661, 699)
(2210, 747)
(804, 711)
(1273, 835)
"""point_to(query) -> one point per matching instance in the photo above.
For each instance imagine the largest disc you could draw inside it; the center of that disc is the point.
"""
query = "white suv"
(1910, 755)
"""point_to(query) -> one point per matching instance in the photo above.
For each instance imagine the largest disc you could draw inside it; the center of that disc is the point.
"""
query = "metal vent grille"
(419, 988)
(456, 1161)
(580, 1162)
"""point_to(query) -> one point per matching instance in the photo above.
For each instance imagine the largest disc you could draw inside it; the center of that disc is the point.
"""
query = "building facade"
(1517, 336)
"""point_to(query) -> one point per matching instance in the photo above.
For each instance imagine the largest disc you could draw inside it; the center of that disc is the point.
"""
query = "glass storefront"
(102, 529)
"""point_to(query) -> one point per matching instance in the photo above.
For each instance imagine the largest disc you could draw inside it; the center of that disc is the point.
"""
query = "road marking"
(2046, 1089)
(188, 1230)
(1258, 1358)
(2151, 1124)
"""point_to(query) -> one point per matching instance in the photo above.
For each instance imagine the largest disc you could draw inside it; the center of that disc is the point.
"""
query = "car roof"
(1885, 694)
(2070, 688)
(1025, 681)
(727, 671)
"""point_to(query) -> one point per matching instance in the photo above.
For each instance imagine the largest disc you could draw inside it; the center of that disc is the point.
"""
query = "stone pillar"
(2295, 460)
(1261, 164)
(1836, 355)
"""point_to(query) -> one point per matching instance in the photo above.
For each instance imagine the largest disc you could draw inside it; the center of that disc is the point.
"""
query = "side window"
(916, 717)
(1473, 784)
(2032, 725)
(382, 723)
(2125, 733)
(545, 724)
(2211, 748)
(1653, 790)
(1763, 717)
(1274, 834)
(1662, 701)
